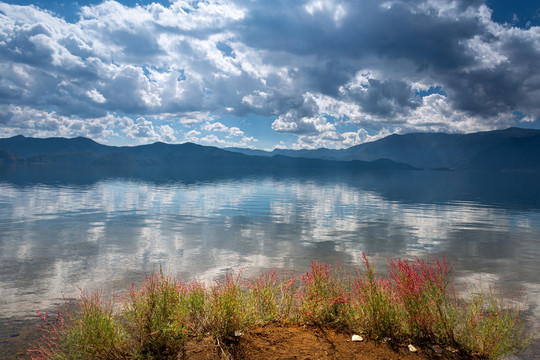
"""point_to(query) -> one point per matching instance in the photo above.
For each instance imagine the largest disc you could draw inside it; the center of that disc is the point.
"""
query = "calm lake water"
(59, 233)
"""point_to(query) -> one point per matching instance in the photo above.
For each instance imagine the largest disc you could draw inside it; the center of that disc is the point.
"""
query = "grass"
(413, 303)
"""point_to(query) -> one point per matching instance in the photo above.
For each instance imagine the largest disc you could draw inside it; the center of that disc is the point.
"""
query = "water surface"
(59, 233)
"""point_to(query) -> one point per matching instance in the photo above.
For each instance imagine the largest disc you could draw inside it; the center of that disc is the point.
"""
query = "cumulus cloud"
(316, 68)
(15, 120)
(233, 131)
(234, 138)
(144, 131)
(167, 134)
(213, 140)
(304, 126)
(192, 136)
(96, 96)
(216, 126)
(453, 45)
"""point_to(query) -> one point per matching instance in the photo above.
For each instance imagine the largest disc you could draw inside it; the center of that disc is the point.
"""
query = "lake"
(61, 231)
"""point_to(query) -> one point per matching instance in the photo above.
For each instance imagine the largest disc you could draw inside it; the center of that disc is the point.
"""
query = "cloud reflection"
(56, 238)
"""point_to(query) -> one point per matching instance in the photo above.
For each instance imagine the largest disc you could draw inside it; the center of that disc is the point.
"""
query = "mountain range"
(510, 149)
(82, 151)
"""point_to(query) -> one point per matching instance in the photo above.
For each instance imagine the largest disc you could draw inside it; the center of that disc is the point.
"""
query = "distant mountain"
(322, 153)
(26, 146)
(510, 149)
(85, 152)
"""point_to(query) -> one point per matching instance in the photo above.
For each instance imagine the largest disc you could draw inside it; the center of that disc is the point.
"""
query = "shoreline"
(413, 305)
(18, 333)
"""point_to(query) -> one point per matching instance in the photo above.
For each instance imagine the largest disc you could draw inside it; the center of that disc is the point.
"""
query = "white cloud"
(285, 123)
(188, 119)
(167, 134)
(215, 126)
(213, 140)
(361, 136)
(192, 136)
(437, 114)
(27, 121)
(96, 96)
(219, 127)
(143, 131)
(196, 15)
(193, 62)
(257, 100)
(486, 55)
(336, 140)
(336, 9)
(235, 131)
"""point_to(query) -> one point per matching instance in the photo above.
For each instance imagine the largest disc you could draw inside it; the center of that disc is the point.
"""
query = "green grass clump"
(324, 296)
(374, 306)
(264, 297)
(413, 303)
(424, 297)
(490, 324)
(90, 330)
(157, 318)
(228, 307)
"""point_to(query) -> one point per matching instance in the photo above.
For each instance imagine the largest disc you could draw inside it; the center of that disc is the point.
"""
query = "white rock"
(238, 333)
(357, 338)
(412, 348)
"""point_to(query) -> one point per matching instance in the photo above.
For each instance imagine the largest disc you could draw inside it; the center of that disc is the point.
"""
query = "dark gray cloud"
(385, 98)
(436, 44)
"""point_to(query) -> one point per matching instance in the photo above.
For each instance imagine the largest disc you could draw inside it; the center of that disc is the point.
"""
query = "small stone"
(357, 338)
(412, 348)
(386, 339)
(437, 349)
(238, 333)
(451, 349)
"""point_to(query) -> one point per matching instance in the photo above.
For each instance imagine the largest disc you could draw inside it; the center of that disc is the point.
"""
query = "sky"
(263, 74)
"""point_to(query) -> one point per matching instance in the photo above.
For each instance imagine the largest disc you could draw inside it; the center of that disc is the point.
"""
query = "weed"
(90, 331)
(264, 297)
(228, 307)
(414, 302)
(324, 297)
(491, 325)
(158, 316)
(421, 287)
(374, 307)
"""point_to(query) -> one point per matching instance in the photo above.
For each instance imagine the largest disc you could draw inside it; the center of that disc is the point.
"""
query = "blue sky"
(266, 74)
